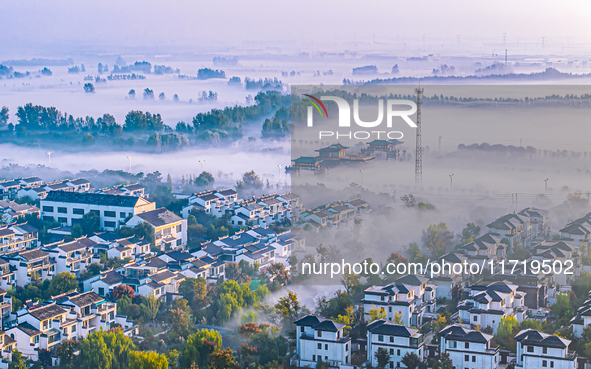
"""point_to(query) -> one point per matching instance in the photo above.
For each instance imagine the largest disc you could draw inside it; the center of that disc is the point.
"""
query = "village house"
(9, 189)
(578, 231)
(583, 317)
(38, 327)
(213, 202)
(170, 230)
(540, 224)
(409, 297)
(488, 303)
(321, 340)
(115, 246)
(560, 251)
(74, 256)
(446, 280)
(68, 208)
(468, 348)
(536, 349)
(11, 211)
(17, 237)
(516, 229)
(29, 265)
(397, 339)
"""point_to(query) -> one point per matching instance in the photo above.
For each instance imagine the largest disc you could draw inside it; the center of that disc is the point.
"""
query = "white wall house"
(578, 231)
(74, 256)
(170, 230)
(540, 351)
(583, 317)
(468, 348)
(488, 303)
(409, 296)
(397, 339)
(516, 229)
(68, 208)
(320, 339)
(29, 264)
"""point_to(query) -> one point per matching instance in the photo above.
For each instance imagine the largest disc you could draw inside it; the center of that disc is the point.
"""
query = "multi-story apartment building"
(170, 230)
(488, 303)
(540, 350)
(29, 265)
(74, 256)
(409, 296)
(468, 348)
(321, 340)
(68, 208)
(397, 339)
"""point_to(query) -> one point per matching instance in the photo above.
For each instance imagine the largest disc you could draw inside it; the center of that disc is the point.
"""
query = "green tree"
(147, 360)
(3, 116)
(351, 282)
(105, 350)
(288, 307)
(153, 306)
(444, 362)
(173, 358)
(66, 352)
(88, 87)
(18, 362)
(438, 239)
(198, 348)
(411, 360)
(90, 223)
(61, 283)
(194, 290)
(506, 331)
(222, 359)
(375, 314)
(382, 357)
(470, 233)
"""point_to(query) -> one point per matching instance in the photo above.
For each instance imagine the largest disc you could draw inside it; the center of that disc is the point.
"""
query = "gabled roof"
(382, 326)
(44, 312)
(92, 198)
(85, 299)
(536, 338)
(308, 321)
(328, 326)
(459, 333)
(159, 217)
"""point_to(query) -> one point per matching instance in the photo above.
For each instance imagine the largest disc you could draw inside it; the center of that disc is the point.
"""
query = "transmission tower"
(419, 149)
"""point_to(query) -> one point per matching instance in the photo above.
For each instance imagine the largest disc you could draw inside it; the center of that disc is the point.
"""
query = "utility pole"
(202, 162)
(543, 41)
(129, 157)
(362, 170)
(451, 182)
(419, 150)
(49, 156)
(439, 145)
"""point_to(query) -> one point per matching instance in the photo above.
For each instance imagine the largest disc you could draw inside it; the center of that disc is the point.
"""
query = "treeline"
(548, 74)
(263, 84)
(207, 73)
(278, 126)
(144, 67)
(9, 72)
(230, 117)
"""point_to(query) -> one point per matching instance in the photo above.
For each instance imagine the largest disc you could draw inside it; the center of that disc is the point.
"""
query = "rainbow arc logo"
(315, 101)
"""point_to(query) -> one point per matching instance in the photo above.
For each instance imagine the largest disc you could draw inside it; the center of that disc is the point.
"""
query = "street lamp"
(279, 166)
(545, 185)
(202, 162)
(362, 170)
(129, 157)
(451, 182)
(49, 156)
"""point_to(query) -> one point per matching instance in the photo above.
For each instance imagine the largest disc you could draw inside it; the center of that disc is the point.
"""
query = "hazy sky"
(204, 22)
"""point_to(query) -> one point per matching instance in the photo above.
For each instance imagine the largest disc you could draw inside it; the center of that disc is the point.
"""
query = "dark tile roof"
(328, 326)
(308, 321)
(29, 329)
(382, 326)
(112, 277)
(537, 338)
(458, 333)
(160, 217)
(31, 255)
(159, 277)
(92, 198)
(44, 312)
(86, 298)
